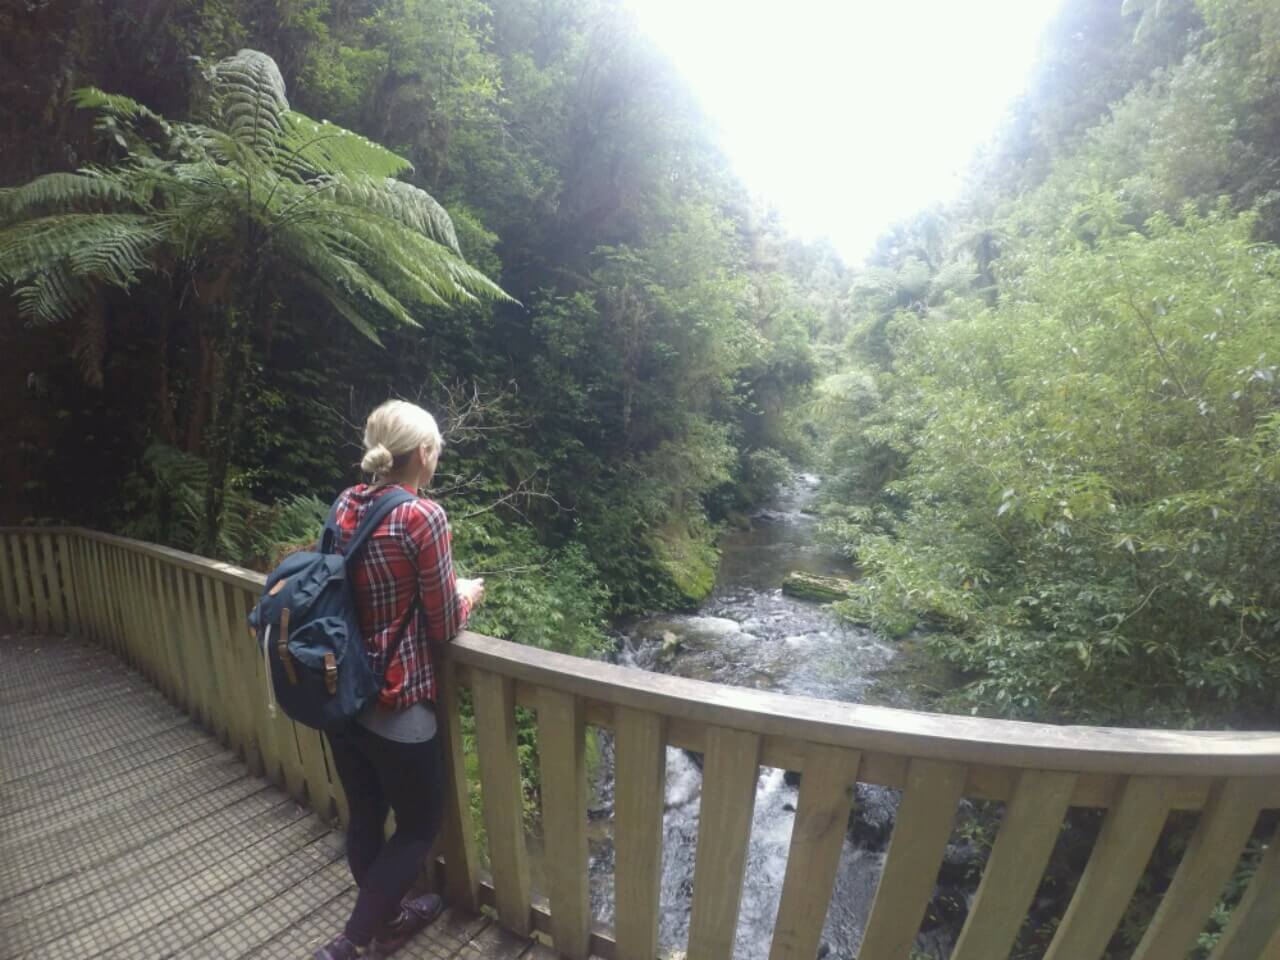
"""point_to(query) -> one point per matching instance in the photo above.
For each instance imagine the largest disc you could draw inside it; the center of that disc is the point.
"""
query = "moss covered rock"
(811, 586)
(689, 559)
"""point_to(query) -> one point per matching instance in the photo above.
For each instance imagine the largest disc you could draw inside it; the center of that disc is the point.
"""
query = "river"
(748, 633)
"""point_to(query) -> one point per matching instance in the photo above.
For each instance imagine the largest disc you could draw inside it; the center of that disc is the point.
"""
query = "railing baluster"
(85, 593)
(1028, 832)
(185, 644)
(1124, 846)
(1253, 933)
(154, 618)
(639, 791)
(919, 840)
(1210, 858)
(71, 590)
(53, 586)
(229, 711)
(39, 599)
(164, 623)
(494, 697)
(562, 754)
(93, 574)
(729, 772)
(114, 604)
(26, 592)
(462, 861)
(7, 584)
(129, 635)
(110, 626)
(201, 649)
(231, 638)
(817, 837)
(280, 750)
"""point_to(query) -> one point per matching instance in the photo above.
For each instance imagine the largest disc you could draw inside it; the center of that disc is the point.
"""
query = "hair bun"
(377, 460)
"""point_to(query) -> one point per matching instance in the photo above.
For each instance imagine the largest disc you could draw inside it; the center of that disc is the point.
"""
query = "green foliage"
(269, 253)
(548, 598)
(1092, 484)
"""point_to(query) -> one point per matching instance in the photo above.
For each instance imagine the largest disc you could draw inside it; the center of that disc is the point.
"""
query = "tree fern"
(265, 200)
(53, 259)
(62, 191)
(310, 148)
(247, 101)
(116, 105)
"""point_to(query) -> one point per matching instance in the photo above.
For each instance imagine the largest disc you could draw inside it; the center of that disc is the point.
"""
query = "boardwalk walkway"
(128, 831)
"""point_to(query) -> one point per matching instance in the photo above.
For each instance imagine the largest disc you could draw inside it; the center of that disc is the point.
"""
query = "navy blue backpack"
(308, 630)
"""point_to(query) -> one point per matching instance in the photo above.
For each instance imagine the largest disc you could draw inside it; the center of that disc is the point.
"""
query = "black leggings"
(379, 774)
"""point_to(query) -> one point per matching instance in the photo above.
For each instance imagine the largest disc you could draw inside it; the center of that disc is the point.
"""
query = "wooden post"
(70, 579)
(1119, 856)
(278, 766)
(817, 836)
(158, 603)
(232, 637)
(1022, 849)
(228, 721)
(919, 840)
(40, 601)
(7, 585)
(53, 582)
(1254, 928)
(729, 771)
(461, 859)
(503, 797)
(92, 601)
(1214, 852)
(562, 752)
(22, 582)
(640, 781)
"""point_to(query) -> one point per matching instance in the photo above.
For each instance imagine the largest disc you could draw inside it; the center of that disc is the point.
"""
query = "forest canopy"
(1046, 412)
(1054, 429)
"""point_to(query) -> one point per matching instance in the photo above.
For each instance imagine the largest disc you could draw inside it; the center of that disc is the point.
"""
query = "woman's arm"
(446, 608)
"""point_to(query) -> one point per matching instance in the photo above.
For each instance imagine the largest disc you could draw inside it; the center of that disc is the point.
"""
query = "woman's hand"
(472, 590)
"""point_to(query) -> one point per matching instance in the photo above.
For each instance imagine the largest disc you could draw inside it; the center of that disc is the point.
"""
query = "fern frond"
(46, 255)
(336, 276)
(318, 147)
(115, 105)
(399, 201)
(415, 265)
(52, 296)
(62, 191)
(344, 304)
(248, 101)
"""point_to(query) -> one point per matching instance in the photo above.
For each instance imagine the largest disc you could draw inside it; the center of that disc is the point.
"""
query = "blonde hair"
(393, 432)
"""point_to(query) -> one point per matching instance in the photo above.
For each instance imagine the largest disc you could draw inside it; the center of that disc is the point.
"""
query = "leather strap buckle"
(330, 674)
(282, 648)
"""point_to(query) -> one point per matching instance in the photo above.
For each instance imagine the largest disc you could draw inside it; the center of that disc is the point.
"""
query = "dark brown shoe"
(415, 914)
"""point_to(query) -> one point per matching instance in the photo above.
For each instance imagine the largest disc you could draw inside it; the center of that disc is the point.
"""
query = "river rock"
(671, 644)
(811, 586)
(874, 811)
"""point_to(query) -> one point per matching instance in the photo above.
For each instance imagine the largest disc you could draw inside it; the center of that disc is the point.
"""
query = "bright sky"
(847, 115)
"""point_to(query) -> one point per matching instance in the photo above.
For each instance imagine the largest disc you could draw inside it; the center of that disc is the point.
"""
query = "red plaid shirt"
(408, 556)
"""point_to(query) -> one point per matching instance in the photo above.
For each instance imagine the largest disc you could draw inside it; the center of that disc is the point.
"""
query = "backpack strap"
(329, 538)
(376, 513)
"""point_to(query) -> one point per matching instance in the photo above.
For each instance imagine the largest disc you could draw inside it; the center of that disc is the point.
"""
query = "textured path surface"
(126, 830)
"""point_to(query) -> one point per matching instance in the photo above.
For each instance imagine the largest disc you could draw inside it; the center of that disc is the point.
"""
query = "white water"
(749, 634)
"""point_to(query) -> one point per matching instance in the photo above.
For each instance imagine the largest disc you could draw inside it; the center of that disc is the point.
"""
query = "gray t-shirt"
(415, 724)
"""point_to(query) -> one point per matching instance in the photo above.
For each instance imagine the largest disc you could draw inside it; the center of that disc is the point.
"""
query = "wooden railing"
(180, 620)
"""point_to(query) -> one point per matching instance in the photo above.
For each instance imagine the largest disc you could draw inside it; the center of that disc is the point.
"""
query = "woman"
(390, 758)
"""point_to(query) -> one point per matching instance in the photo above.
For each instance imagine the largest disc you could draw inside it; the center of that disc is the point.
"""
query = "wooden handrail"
(179, 619)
